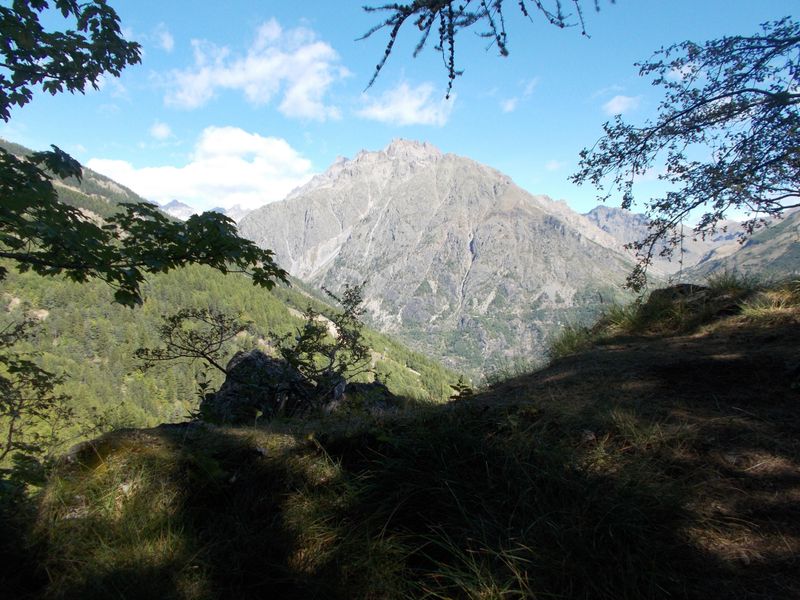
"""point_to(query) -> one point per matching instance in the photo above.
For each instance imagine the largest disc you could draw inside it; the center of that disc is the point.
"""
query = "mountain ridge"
(456, 256)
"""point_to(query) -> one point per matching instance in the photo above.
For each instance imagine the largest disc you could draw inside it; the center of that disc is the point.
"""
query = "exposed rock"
(13, 302)
(772, 252)
(235, 212)
(256, 383)
(460, 262)
(179, 210)
(627, 227)
(39, 314)
(374, 398)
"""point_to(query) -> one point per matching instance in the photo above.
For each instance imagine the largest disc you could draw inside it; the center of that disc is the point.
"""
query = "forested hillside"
(80, 333)
(84, 335)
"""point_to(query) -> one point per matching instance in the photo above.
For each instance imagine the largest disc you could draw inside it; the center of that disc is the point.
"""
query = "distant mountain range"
(628, 227)
(93, 340)
(183, 211)
(770, 252)
(460, 262)
(773, 251)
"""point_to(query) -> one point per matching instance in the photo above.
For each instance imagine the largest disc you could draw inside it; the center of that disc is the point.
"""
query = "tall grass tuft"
(677, 310)
(570, 339)
(735, 283)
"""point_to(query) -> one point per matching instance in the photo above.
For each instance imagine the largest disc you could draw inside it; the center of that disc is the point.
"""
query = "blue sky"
(238, 102)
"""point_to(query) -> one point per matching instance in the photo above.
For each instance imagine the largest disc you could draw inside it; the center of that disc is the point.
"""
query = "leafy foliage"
(194, 333)
(317, 360)
(450, 17)
(462, 390)
(727, 134)
(33, 413)
(59, 60)
(92, 340)
(38, 231)
(320, 353)
(43, 234)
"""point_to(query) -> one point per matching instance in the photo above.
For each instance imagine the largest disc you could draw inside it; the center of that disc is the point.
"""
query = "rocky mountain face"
(626, 227)
(459, 261)
(235, 212)
(771, 252)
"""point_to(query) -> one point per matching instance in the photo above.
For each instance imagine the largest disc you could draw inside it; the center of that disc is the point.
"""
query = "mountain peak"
(175, 204)
(411, 149)
(178, 209)
(453, 252)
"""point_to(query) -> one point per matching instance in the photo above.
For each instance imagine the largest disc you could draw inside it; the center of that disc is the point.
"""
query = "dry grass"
(649, 466)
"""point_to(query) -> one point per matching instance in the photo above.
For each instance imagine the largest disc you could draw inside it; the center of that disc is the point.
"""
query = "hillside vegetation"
(92, 341)
(84, 337)
(656, 458)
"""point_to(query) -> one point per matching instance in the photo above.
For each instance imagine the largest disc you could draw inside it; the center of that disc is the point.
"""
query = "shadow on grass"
(714, 417)
(439, 506)
(668, 474)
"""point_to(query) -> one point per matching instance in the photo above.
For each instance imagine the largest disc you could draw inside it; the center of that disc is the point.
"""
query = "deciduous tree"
(327, 356)
(195, 333)
(447, 18)
(32, 411)
(40, 233)
(726, 137)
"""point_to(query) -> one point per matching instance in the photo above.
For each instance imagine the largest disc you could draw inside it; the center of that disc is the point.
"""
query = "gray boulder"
(373, 398)
(256, 383)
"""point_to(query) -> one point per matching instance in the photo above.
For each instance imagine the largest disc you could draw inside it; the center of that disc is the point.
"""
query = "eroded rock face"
(460, 263)
(256, 383)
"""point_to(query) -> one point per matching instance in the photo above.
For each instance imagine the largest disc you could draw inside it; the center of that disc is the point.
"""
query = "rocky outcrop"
(372, 398)
(260, 386)
(256, 385)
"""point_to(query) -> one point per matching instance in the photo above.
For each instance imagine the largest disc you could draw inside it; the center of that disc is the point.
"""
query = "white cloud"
(651, 174)
(228, 166)
(689, 70)
(164, 38)
(530, 85)
(160, 131)
(292, 63)
(554, 165)
(611, 89)
(112, 86)
(406, 105)
(621, 104)
(509, 105)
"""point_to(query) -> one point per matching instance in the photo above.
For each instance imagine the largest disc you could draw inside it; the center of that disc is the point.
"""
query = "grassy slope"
(660, 461)
(92, 341)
